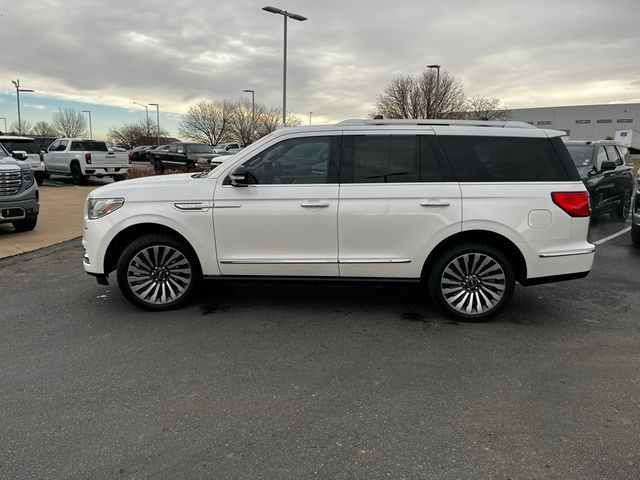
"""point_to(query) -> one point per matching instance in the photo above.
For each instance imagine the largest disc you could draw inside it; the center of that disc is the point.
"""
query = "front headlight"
(99, 207)
(27, 177)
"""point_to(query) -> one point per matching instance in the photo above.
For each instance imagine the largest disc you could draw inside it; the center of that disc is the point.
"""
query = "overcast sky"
(94, 54)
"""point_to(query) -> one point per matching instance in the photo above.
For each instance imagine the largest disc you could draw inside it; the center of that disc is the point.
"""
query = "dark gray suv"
(19, 198)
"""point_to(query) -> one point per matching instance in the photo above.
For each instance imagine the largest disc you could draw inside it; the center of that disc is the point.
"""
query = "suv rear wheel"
(77, 176)
(471, 281)
(158, 272)
(622, 213)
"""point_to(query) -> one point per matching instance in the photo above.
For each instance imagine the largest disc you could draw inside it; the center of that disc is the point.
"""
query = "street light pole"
(157, 119)
(435, 103)
(310, 113)
(293, 16)
(90, 128)
(147, 109)
(16, 82)
(253, 104)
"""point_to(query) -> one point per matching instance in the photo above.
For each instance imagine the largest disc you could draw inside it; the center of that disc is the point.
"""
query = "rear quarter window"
(505, 159)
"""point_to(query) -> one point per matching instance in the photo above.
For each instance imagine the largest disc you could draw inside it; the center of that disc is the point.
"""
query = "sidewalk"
(60, 219)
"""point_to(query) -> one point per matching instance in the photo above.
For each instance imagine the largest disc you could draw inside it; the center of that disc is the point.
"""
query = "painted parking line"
(611, 237)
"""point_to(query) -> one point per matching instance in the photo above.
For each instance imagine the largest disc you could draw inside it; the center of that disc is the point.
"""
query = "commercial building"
(585, 122)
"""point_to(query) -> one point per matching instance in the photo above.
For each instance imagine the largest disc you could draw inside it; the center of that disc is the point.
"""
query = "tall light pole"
(253, 104)
(310, 113)
(157, 119)
(147, 109)
(90, 128)
(16, 82)
(5, 123)
(436, 100)
(293, 16)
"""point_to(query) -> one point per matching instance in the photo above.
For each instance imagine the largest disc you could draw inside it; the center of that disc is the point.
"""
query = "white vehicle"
(227, 148)
(467, 207)
(82, 158)
(26, 149)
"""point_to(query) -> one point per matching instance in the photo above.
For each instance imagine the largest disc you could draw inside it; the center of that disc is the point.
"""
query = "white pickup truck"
(83, 158)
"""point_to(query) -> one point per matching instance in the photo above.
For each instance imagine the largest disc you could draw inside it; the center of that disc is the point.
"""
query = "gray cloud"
(116, 51)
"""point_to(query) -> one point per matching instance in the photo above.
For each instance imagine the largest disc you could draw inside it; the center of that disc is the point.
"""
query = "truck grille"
(10, 182)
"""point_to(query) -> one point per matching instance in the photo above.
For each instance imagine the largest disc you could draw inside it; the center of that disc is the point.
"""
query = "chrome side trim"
(228, 205)
(278, 261)
(374, 260)
(273, 261)
(567, 253)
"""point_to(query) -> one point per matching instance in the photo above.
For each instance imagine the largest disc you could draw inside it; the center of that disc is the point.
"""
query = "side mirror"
(180, 150)
(239, 177)
(19, 155)
(227, 148)
(607, 165)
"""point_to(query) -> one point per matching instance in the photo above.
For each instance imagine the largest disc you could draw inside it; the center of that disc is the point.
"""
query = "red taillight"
(87, 158)
(576, 204)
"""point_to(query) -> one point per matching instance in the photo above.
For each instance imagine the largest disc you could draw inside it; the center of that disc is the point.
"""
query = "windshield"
(581, 154)
(198, 148)
(3, 152)
(29, 146)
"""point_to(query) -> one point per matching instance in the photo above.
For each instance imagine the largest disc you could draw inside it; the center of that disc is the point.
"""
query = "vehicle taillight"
(576, 204)
(87, 158)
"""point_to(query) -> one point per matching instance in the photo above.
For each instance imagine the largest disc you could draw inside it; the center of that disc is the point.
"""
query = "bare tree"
(242, 123)
(45, 129)
(26, 125)
(206, 122)
(427, 96)
(70, 122)
(482, 108)
(135, 133)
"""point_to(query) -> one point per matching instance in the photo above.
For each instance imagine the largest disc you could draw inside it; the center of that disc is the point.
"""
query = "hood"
(179, 186)
(10, 163)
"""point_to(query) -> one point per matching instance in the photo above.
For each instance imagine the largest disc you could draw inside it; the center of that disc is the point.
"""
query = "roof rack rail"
(430, 122)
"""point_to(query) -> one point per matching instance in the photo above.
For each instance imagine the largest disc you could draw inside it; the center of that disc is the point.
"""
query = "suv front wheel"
(471, 281)
(158, 272)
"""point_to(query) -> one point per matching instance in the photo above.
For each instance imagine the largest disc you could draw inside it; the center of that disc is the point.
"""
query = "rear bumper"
(553, 278)
(106, 170)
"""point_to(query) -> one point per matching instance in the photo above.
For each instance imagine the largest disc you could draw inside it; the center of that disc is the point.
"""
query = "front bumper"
(27, 202)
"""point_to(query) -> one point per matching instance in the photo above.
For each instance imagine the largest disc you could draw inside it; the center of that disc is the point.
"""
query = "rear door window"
(504, 159)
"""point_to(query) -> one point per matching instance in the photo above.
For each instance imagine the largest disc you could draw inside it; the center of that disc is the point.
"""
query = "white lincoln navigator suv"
(467, 207)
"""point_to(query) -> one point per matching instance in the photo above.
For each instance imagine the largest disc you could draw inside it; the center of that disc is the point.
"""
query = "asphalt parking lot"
(296, 381)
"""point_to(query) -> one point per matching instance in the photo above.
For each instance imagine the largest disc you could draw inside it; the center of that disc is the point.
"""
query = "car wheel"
(77, 176)
(191, 167)
(118, 178)
(158, 272)
(622, 213)
(25, 225)
(39, 178)
(158, 168)
(472, 281)
(635, 234)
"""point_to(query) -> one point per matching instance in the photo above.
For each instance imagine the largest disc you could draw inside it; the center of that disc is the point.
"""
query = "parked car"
(603, 167)
(182, 155)
(227, 148)
(82, 158)
(26, 148)
(138, 154)
(19, 198)
(467, 207)
(156, 148)
(635, 217)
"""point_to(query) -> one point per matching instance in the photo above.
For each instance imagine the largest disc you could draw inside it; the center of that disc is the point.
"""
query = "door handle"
(314, 205)
(435, 203)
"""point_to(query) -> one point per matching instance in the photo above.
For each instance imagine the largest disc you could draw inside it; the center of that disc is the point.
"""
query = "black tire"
(158, 168)
(473, 288)
(39, 178)
(118, 178)
(76, 175)
(47, 175)
(25, 225)
(145, 258)
(622, 212)
(635, 234)
(191, 167)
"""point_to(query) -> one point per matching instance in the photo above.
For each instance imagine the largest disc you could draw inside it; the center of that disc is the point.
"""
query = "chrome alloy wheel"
(159, 274)
(473, 283)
